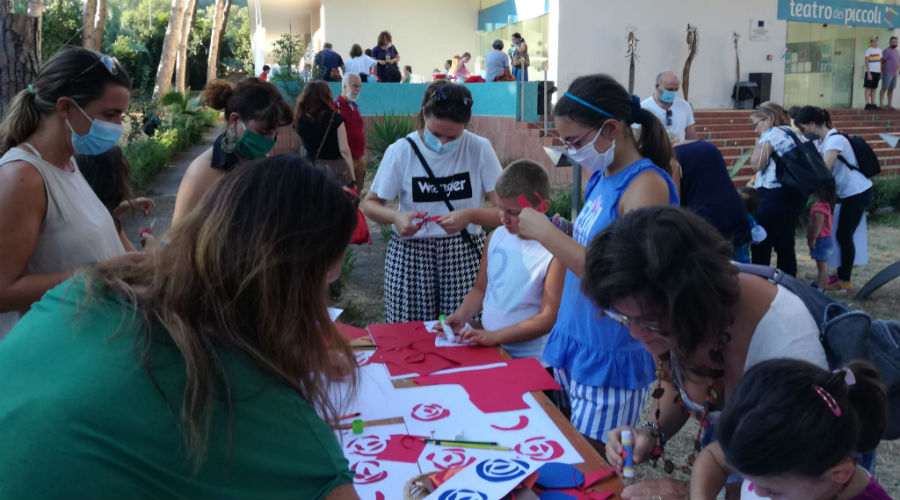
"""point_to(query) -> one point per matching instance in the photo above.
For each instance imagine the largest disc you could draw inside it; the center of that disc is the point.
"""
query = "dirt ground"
(363, 301)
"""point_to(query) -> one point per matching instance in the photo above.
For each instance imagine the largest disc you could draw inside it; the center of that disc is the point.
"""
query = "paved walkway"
(164, 188)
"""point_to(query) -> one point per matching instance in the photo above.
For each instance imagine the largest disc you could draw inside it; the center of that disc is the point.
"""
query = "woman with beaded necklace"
(667, 275)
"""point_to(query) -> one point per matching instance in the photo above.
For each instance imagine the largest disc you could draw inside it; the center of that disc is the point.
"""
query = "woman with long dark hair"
(605, 372)
(198, 370)
(322, 130)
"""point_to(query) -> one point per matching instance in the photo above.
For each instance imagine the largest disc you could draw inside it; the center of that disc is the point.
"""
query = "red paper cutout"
(596, 477)
(450, 458)
(507, 384)
(402, 448)
(379, 495)
(409, 348)
(429, 412)
(367, 472)
(445, 475)
(351, 332)
(540, 449)
(368, 446)
(523, 423)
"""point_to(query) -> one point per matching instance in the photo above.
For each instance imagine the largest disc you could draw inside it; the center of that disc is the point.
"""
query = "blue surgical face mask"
(667, 96)
(100, 138)
(435, 145)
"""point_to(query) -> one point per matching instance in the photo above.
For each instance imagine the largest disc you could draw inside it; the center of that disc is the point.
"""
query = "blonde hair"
(774, 111)
(77, 73)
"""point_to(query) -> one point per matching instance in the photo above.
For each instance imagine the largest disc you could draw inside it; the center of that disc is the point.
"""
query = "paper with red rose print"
(375, 475)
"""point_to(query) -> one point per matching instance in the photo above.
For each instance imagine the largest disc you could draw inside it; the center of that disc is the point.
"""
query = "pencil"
(345, 417)
(470, 445)
(434, 440)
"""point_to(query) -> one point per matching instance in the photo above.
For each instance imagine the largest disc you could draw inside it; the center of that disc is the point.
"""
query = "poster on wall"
(759, 30)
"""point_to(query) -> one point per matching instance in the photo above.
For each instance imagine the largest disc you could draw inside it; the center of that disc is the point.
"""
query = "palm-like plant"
(385, 130)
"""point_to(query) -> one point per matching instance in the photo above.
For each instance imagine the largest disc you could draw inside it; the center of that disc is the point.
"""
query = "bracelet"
(655, 432)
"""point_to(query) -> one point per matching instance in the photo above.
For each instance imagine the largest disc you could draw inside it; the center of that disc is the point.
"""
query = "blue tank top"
(594, 349)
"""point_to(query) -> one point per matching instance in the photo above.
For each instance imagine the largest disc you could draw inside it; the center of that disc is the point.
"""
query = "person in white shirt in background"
(873, 72)
(673, 112)
(360, 63)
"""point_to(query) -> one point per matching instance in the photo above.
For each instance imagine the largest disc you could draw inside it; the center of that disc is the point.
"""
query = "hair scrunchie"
(31, 89)
(637, 114)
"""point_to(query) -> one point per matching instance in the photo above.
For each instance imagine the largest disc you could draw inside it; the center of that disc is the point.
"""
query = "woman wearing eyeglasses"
(604, 371)
(254, 111)
(441, 174)
(666, 275)
(50, 220)
(778, 209)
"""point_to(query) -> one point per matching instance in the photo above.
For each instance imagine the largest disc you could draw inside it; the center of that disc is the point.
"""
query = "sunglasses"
(110, 63)
(626, 321)
(441, 94)
(668, 117)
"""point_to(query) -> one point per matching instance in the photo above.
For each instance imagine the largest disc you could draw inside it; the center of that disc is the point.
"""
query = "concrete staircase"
(732, 132)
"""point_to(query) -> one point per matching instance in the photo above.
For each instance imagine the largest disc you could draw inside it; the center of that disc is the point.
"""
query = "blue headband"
(588, 105)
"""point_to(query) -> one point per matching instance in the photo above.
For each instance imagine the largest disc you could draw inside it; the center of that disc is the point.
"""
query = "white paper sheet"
(334, 312)
(487, 479)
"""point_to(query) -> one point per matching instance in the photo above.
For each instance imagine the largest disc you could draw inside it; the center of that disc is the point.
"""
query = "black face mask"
(893, 45)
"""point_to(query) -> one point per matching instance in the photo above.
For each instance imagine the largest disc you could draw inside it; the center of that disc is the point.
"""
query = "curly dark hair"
(315, 101)
(675, 264)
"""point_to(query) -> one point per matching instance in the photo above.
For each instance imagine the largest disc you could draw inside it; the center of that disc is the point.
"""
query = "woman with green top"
(198, 370)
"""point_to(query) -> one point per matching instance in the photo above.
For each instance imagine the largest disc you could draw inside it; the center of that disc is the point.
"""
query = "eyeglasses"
(669, 117)
(440, 94)
(573, 144)
(110, 63)
(626, 321)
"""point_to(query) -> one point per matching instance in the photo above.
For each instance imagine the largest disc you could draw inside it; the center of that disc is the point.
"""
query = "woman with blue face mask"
(605, 372)
(50, 219)
(254, 111)
(441, 174)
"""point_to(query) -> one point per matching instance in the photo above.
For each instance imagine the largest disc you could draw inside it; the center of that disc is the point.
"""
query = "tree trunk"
(99, 20)
(181, 61)
(19, 55)
(220, 20)
(87, 23)
(169, 49)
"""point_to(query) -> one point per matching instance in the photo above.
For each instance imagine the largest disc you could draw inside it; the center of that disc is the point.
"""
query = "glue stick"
(627, 454)
(448, 332)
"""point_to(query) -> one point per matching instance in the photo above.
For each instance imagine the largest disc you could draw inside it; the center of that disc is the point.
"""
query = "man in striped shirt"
(873, 72)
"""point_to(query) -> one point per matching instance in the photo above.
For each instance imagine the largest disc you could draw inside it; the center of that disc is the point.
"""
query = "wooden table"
(593, 462)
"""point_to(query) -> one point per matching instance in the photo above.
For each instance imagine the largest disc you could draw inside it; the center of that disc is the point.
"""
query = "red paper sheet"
(351, 332)
(409, 348)
(498, 389)
(403, 448)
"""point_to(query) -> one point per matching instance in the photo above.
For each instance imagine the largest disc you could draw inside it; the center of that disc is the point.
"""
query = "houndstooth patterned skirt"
(424, 278)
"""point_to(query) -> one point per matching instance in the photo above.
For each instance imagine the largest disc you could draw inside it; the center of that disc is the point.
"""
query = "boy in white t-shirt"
(873, 72)
(519, 283)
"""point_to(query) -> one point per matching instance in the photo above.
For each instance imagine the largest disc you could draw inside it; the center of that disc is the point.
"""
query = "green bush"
(385, 130)
(561, 202)
(886, 192)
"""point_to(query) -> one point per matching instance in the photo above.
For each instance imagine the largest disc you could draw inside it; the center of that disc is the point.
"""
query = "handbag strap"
(324, 136)
(464, 232)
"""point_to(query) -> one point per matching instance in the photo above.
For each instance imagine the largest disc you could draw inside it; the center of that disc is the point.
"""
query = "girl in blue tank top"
(604, 371)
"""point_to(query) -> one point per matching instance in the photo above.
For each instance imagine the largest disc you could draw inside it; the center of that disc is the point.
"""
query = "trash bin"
(744, 93)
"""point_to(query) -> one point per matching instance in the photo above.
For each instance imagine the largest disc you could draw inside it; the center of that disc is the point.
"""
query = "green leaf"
(173, 98)
(739, 164)
(386, 130)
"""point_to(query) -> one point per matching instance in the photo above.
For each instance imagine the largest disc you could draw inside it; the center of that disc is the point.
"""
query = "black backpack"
(801, 170)
(866, 160)
(849, 336)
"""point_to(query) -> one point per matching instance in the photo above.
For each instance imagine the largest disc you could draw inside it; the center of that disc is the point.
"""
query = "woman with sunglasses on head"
(50, 220)
(254, 111)
(199, 370)
(605, 372)
(779, 208)
(667, 276)
(433, 256)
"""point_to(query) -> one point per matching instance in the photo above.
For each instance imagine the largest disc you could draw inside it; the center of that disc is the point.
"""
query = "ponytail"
(825, 416)
(654, 141)
(20, 122)
(594, 99)
(813, 114)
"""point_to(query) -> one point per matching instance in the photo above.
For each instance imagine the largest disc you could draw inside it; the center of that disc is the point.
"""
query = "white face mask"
(589, 158)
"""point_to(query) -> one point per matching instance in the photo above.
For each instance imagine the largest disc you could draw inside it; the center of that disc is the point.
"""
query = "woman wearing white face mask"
(605, 372)
(50, 220)
(433, 256)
